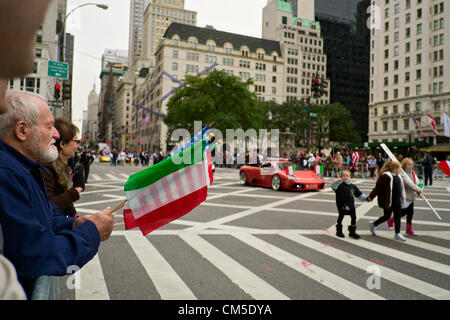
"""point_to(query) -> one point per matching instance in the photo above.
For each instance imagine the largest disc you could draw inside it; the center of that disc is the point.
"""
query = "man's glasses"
(77, 141)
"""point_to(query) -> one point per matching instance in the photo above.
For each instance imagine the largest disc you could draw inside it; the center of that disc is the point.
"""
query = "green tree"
(216, 97)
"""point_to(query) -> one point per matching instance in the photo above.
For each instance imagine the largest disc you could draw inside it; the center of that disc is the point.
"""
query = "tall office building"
(158, 16)
(410, 67)
(346, 40)
(136, 37)
(301, 42)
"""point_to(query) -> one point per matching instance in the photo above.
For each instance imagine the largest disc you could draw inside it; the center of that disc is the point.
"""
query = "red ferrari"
(272, 174)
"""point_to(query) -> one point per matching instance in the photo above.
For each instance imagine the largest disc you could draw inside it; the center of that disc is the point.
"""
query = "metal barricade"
(46, 288)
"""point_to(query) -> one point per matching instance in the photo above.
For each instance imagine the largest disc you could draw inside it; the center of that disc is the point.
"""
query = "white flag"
(446, 125)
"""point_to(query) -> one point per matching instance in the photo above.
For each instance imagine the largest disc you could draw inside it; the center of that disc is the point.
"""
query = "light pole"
(62, 33)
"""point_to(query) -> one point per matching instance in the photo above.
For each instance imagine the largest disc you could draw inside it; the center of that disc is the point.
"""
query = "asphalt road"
(249, 243)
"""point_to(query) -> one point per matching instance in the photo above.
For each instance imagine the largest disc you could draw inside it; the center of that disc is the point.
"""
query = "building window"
(385, 126)
(175, 66)
(406, 124)
(419, 106)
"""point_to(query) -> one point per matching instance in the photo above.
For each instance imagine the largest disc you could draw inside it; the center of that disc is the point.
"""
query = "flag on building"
(445, 166)
(290, 171)
(145, 119)
(418, 126)
(433, 124)
(446, 125)
(168, 190)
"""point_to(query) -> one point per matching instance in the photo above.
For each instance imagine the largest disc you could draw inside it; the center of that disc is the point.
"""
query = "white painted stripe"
(96, 177)
(167, 282)
(126, 176)
(419, 244)
(400, 255)
(440, 235)
(386, 273)
(328, 279)
(241, 276)
(92, 282)
(112, 177)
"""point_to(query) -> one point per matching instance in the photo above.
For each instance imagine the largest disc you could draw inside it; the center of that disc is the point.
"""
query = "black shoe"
(339, 232)
(352, 232)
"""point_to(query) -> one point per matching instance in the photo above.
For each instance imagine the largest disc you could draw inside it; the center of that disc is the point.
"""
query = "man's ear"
(22, 130)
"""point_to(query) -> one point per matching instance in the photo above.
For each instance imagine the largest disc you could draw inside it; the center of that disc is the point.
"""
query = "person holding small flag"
(345, 203)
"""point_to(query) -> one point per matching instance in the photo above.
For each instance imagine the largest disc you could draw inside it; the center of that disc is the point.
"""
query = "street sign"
(58, 69)
(313, 115)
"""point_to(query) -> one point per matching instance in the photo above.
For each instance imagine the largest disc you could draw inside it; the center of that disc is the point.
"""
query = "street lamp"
(62, 38)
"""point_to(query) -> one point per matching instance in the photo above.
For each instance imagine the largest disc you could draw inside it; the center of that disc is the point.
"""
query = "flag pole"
(393, 158)
(121, 205)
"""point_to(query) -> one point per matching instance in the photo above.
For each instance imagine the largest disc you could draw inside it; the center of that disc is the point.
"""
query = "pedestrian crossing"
(332, 267)
(218, 258)
(117, 176)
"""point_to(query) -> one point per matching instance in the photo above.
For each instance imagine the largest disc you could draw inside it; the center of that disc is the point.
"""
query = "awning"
(438, 148)
(388, 144)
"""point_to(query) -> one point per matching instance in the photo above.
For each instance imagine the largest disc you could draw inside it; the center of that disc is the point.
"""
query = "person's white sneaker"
(399, 236)
(372, 228)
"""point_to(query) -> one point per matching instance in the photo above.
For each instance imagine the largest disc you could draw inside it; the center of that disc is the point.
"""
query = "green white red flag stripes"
(290, 170)
(168, 190)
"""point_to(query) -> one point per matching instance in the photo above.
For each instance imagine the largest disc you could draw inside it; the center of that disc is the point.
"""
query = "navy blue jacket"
(38, 238)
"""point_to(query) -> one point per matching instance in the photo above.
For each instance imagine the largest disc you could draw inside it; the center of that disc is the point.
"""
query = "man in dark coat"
(86, 160)
(428, 163)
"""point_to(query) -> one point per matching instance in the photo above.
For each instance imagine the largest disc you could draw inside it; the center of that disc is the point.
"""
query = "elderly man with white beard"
(38, 238)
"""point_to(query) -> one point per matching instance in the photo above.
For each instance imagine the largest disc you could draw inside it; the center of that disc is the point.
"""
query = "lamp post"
(62, 33)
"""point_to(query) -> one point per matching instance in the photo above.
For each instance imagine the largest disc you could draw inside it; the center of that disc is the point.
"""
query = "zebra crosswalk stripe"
(245, 279)
(400, 255)
(96, 177)
(328, 279)
(386, 273)
(92, 282)
(167, 282)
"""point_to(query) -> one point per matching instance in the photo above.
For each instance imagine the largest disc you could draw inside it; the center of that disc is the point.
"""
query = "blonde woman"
(391, 196)
(412, 190)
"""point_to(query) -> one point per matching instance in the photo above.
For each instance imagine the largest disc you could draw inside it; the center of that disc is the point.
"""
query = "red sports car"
(273, 174)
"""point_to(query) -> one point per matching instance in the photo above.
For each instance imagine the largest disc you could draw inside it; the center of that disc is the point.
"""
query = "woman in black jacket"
(56, 174)
(391, 194)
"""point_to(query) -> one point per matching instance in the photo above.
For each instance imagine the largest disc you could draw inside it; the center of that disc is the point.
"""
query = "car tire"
(243, 178)
(276, 183)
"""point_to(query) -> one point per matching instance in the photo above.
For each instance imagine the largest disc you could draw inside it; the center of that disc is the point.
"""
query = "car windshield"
(284, 165)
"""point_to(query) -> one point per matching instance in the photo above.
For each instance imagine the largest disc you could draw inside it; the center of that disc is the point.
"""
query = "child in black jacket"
(345, 203)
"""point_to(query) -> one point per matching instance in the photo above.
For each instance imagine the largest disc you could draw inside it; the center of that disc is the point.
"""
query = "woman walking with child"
(391, 196)
(412, 190)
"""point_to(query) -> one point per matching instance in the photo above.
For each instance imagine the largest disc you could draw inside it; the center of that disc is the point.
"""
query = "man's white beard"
(49, 154)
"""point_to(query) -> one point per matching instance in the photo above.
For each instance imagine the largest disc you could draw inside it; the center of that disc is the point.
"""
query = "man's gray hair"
(20, 108)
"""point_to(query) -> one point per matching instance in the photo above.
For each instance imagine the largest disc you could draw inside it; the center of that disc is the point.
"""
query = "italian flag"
(318, 169)
(290, 170)
(445, 166)
(168, 190)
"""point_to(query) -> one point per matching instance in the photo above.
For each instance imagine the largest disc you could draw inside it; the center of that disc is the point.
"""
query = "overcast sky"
(96, 29)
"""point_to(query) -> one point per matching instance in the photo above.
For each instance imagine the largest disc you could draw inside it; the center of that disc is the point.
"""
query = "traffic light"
(67, 90)
(315, 88)
(57, 91)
